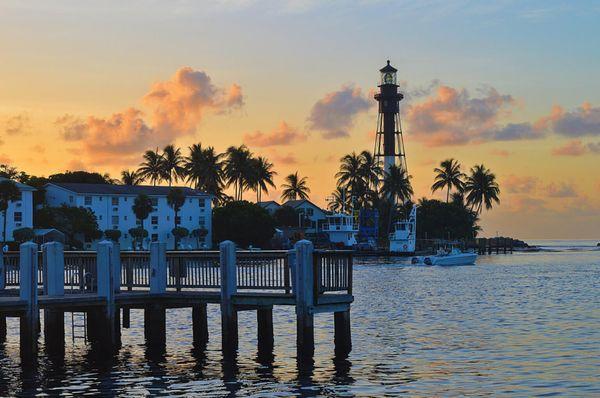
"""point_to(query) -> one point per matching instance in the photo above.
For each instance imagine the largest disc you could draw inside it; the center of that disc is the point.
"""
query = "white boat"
(404, 234)
(341, 228)
(444, 257)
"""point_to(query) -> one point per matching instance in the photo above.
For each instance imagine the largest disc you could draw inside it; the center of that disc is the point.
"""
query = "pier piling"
(304, 298)
(229, 321)
(199, 325)
(28, 264)
(264, 318)
(342, 333)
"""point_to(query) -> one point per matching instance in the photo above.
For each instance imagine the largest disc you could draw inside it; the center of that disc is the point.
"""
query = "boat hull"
(448, 260)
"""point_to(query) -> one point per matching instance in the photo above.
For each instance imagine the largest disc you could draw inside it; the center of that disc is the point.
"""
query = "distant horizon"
(91, 86)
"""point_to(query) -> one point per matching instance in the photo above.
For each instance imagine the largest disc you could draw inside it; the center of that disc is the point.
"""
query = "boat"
(453, 256)
(404, 234)
(341, 229)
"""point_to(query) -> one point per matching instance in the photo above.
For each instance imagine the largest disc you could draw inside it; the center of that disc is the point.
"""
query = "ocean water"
(523, 324)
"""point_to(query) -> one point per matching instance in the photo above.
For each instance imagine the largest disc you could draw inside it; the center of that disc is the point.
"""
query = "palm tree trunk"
(448, 194)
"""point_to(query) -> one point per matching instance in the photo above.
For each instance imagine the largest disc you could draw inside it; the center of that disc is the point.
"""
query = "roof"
(388, 68)
(268, 203)
(110, 189)
(22, 187)
(300, 202)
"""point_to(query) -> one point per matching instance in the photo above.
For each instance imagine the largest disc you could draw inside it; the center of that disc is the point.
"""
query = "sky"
(510, 84)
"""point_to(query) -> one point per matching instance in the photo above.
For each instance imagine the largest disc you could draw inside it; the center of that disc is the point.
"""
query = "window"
(202, 203)
(154, 220)
(115, 201)
(154, 237)
(168, 218)
(190, 219)
(310, 212)
(100, 198)
(115, 209)
(154, 201)
(70, 198)
(201, 221)
(177, 220)
(125, 236)
(115, 220)
(125, 218)
(99, 217)
(88, 201)
(18, 216)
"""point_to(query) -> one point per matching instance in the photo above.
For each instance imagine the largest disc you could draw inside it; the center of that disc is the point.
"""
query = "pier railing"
(265, 271)
(332, 271)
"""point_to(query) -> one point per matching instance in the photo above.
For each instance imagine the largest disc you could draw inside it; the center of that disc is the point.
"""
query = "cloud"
(571, 148)
(335, 113)
(500, 152)
(594, 147)
(17, 124)
(284, 134)
(527, 204)
(176, 107)
(520, 184)
(288, 159)
(180, 103)
(561, 190)
(583, 121)
(453, 117)
(71, 128)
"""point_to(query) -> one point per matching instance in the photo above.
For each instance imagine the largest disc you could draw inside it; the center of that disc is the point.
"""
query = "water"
(526, 324)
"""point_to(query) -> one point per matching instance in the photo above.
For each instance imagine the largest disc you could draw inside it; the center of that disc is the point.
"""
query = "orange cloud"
(560, 190)
(500, 152)
(176, 108)
(284, 134)
(519, 184)
(571, 148)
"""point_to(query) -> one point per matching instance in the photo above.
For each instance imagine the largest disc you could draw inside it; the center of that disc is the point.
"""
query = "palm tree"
(130, 177)
(9, 192)
(238, 169)
(204, 169)
(151, 168)
(294, 188)
(396, 185)
(448, 176)
(370, 170)
(176, 199)
(142, 207)
(172, 164)
(340, 200)
(350, 175)
(481, 188)
(262, 176)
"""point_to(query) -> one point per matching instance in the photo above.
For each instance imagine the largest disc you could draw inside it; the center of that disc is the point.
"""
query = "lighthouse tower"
(389, 146)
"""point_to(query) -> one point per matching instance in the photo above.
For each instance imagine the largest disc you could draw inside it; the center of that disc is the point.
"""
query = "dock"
(106, 284)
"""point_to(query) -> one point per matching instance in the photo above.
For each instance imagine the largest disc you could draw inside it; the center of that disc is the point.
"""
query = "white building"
(315, 216)
(270, 205)
(112, 205)
(19, 213)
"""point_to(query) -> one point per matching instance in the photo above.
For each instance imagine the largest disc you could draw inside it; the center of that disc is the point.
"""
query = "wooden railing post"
(158, 267)
(305, 299)
(229, 323)
(116, 264)
(28, 292)
(2, 271)
(53, 266)
(105, 323)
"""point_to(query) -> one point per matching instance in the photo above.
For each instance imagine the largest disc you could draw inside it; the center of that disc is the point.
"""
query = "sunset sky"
(514, 85)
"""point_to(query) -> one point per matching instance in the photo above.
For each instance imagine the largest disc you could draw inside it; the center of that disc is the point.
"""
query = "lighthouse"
(389, 146)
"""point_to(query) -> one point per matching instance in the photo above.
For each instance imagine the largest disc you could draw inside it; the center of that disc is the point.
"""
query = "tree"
(82, 177)
(396, 185)
(349, 176)
(176, 199)
(21, 235)
(448, 175)
(204, 169)
(341, 199)
(440, 220)
(481, 189)
(199, 234)
(151, 168)
(261, 176)
(244, 223)
(142, 207)
(112, 234)
(138, 234)
(238, 169)
(131, 178)
(370, 171)
(9, 192)
(286, 216)
(179, 233)
(172, 164)
(294, 187)
(75, 222)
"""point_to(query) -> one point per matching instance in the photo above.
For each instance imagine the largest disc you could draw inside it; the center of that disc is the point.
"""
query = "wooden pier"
(106, 284)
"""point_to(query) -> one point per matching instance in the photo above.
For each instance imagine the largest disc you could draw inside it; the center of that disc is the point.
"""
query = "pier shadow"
(230, 370)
